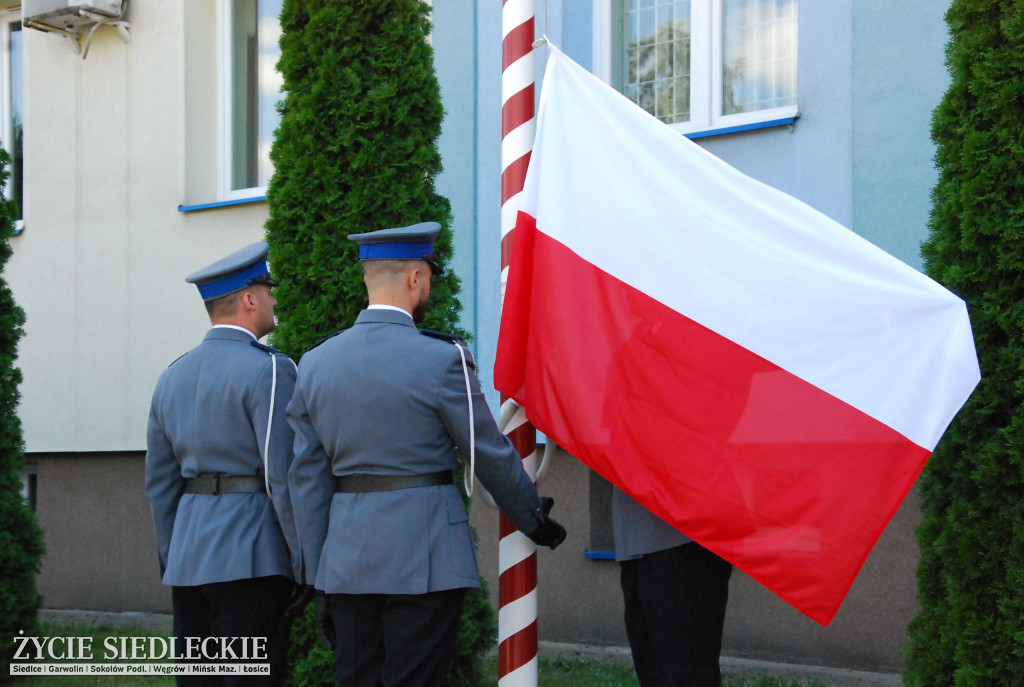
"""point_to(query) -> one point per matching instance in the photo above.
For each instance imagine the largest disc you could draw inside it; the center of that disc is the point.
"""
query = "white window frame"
(706, 45)
(6, 106)
(225, 161)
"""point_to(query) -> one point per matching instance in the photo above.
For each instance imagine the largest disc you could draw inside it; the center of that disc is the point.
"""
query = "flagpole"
(517, 555)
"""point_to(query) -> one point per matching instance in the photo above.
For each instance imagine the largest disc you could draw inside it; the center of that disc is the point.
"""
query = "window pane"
(657, 46)
(759, 54)
(255, 89)
(15, 147)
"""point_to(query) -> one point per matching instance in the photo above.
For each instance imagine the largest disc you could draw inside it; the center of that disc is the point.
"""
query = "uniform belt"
(361, 484)
(225, 484)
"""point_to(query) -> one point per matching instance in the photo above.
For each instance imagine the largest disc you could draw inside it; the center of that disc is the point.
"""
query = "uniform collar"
(385, 315)
(229, 331)
(381, 306)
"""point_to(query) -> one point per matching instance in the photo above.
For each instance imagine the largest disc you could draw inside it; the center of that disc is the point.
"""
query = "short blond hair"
(385, 272)
(225, 306)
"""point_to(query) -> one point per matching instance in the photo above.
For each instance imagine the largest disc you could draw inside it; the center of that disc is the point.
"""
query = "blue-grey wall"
(898, 79)
(812, 160)
(454, 41)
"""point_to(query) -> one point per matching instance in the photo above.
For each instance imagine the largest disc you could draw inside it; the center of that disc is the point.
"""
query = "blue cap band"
(395, 251)
(232, 282)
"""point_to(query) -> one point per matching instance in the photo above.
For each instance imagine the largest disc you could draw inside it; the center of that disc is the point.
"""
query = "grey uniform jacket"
(381, 398)
(220, 409)
(638, 531)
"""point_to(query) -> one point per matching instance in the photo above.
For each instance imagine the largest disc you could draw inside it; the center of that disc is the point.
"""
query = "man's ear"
(413, 277)
(248, 300)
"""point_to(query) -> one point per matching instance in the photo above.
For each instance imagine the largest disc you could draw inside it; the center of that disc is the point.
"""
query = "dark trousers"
(675, 610)
(395, 640)
(240, 608)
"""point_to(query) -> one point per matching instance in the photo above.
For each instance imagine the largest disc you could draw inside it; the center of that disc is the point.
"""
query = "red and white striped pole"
(517, 555)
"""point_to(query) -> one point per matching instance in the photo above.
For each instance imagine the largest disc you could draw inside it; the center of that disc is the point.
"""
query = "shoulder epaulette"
(329, 336)
(178, 358)
(442, 336)
(264, 347)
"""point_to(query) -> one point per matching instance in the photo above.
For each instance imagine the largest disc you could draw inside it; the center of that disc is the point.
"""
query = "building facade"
(146, 159)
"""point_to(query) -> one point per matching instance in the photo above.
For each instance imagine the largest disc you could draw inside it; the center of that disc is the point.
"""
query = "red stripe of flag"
(786, 481)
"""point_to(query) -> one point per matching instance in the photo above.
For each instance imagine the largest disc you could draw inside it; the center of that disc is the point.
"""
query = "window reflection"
(255, 90)
(658, 57)
(759, 54)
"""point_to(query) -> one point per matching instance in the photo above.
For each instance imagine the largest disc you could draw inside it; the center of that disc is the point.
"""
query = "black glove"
(302, 594)
(549, 533)
(324, 624)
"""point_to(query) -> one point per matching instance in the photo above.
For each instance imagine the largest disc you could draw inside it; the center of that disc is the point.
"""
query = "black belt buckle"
(216, 485)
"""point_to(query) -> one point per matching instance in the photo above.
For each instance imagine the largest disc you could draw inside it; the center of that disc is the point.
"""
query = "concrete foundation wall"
(101, 556)
(100, 546)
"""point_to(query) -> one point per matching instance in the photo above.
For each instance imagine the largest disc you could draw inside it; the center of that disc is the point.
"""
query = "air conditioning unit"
(70, 17)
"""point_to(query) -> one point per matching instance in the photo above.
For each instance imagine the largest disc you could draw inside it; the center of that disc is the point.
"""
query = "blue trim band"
(742, 127)
(232, 282)
(599, 555)
(220, 204)
(395, 251)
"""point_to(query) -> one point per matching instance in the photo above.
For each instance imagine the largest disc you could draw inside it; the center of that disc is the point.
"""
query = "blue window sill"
(599, 555)
(785, 121)
(221, 204)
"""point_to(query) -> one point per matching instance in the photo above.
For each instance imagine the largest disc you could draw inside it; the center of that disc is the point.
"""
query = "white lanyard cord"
(270, 423)
(472, 427)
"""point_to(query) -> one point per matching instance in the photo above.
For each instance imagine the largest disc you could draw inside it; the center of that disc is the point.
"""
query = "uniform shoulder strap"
(329, 336)
(442, 336)
(264, 347)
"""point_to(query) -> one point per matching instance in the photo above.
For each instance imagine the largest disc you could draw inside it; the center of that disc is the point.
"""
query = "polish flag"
(755, 374)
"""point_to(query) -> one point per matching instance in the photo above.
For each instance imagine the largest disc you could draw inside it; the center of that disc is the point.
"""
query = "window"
(250, 91)
(30, 483)
(701, 65)
(12, 105)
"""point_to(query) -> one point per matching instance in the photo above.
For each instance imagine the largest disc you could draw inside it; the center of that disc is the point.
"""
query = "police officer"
(675, 593)
(217, 458)
(380, 411)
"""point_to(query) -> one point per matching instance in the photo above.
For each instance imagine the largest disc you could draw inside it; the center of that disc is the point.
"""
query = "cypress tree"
(970, 627)
(21, 539)
(356, 151)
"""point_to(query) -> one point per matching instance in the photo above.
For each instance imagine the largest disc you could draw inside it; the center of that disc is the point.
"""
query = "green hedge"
(356, 151)
(21, 539)
(970, 628)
